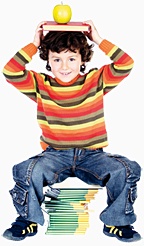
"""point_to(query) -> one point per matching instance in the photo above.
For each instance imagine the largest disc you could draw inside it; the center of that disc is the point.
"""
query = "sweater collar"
(67, 83)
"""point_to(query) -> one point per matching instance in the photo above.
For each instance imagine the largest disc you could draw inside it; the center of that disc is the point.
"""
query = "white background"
(121, 22)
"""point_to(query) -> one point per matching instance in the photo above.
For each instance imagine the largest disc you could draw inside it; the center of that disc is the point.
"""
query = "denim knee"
(134, 172)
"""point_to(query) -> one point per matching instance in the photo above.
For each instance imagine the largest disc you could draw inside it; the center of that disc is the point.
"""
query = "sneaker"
(20, 230)
(122, 233)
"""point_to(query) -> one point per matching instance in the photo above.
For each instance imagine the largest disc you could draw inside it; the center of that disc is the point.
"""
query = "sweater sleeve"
(120, 68)
(16, 74)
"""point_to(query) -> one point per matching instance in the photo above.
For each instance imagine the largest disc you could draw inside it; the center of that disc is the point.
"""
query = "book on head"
(70, 26)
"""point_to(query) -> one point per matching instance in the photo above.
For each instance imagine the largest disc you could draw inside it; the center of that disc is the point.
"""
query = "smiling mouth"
(65, 74)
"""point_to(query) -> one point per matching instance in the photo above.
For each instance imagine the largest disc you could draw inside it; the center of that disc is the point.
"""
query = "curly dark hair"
(65, 40)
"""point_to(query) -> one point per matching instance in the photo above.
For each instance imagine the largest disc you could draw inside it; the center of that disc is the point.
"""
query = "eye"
(72, 59)
(56, 60)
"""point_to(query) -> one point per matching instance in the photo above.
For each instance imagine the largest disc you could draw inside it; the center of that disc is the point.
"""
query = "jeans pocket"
(132, 195)
(20, 197)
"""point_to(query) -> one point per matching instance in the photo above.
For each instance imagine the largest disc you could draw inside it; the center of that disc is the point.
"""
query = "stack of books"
(68, 210)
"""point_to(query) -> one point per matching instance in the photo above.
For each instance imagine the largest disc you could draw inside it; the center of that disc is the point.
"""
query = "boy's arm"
(120, 68)
(16, 73)
(111, 74)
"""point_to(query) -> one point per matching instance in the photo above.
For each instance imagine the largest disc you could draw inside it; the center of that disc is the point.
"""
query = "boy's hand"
(93, 34)
(38, 34)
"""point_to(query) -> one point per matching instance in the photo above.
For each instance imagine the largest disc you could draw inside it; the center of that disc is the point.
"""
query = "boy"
(71, 116)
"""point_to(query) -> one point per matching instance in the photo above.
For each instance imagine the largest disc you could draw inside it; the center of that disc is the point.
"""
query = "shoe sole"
(9, 236)
(136, 237)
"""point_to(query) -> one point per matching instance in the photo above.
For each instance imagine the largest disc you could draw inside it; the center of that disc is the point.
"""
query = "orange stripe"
(67, 135)
(13, 65)
(125, 59)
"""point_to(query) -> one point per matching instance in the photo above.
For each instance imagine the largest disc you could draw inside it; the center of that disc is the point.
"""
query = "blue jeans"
(117, 173)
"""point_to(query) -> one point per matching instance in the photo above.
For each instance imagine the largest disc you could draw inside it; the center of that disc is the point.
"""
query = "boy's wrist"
(36, 44)
(98, 40)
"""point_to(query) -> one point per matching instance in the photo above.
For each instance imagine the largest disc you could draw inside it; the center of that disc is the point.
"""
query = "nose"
(64, 65)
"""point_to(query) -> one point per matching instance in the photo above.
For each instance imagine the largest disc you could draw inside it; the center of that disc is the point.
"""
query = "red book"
(70, 26)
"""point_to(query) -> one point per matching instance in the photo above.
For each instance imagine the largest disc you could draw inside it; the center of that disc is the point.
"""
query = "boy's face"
(65, 65)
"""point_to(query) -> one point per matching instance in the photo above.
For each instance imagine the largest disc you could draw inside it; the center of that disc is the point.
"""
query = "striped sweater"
(70, 115)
